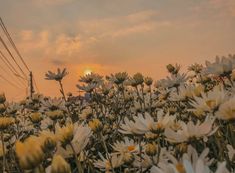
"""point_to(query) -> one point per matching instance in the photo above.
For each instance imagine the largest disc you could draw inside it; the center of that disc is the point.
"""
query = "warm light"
(87, 71)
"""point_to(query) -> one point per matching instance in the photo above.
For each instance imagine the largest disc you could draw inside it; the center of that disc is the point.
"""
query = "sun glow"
(87, 71)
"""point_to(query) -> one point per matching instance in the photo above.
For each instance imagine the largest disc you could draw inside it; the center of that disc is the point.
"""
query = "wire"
(18, 81)
(12, 42)
(4, 44)
(17, 51)
(10, 67)
(8, 63)
(12, 84)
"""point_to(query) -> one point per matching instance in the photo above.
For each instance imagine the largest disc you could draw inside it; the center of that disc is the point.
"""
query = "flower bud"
(151, 149)
(54, 115)
(138, 79)
(35, 117)
(170, 68)
(5, 122)
(2, 98)
(148, 81)
(59, 165)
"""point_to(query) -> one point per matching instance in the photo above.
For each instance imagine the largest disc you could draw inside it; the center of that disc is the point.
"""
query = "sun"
(87, 71)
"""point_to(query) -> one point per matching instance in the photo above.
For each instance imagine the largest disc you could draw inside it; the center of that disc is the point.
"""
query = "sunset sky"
(109, 36)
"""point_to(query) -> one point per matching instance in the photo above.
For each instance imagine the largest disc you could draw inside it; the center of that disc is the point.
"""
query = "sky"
(109, 36)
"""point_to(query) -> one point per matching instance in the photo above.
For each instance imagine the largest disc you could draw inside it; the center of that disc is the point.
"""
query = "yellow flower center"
(211, 103)
(107, 165)
(131, 148)
(180, 168)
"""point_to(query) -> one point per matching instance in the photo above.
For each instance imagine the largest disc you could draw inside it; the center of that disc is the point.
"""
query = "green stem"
(106, 150)
(78, 164)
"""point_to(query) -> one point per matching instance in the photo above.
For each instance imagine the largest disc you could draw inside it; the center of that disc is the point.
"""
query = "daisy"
(221, 67)
(208, 102)
(105, 165)
(185, 92)
(53, 104)
(56, 76)
(138, 126)
(191, 131)
(91, 78)
(118, 78)
(227, 110)
(126, 146)
(79, 140)
(172, 81)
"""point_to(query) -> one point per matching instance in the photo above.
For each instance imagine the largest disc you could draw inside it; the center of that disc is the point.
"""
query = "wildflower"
(186, 92)
(56, 114)
(118, 78)
(137, 79)
(197, 68)
(221, 67)
(56, 76)
(172, 81)
(48, 140)
(126, 146)
(91, 78)
(191, 131)
(148, 81)
(65, 134)
(81, 135)
(138, 126)
(95, 125)
(36, 117)
(59, 165)
(106, 165)
(88, 88)
(53, 104)
(29, 153)
(164, 120)
(227, 110)
(5, 122)
(209, 102)
(173, 69)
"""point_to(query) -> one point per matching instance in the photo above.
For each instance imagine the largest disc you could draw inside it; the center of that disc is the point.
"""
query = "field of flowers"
(184, 123)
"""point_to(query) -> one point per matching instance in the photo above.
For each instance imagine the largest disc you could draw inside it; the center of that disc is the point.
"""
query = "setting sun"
(87, 71)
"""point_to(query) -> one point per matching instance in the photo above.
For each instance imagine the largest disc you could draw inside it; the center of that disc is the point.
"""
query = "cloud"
(58, 62)
(51, 2)
(67, 45)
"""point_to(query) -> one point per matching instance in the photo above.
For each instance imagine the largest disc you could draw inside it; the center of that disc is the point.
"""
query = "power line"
(12, 84)
(12, 42)
(4, 44)
(17, 51)
(18, 81)
(11, 68)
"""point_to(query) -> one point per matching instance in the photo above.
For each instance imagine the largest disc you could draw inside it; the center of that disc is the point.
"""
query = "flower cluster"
(184, 123)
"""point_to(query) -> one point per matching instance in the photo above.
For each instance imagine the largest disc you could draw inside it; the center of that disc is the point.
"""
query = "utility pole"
(31, 89)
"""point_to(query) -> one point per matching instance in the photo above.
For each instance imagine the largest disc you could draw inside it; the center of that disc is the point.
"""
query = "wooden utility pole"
(31, 89)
